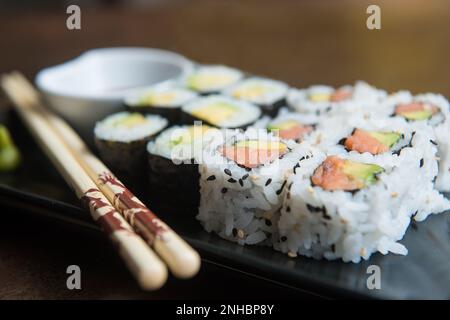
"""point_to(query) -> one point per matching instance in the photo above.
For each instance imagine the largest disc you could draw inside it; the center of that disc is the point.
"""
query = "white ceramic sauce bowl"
(93, 85)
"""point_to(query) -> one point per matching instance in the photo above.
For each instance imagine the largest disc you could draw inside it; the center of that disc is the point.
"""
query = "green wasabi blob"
(9, 154)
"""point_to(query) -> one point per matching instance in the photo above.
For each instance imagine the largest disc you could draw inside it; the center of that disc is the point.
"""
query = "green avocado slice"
(130, 121)
(418, 115)
(387, 138)
(364, 172)
(262, 145)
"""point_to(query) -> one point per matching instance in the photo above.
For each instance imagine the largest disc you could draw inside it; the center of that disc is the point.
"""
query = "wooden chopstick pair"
(111, 204)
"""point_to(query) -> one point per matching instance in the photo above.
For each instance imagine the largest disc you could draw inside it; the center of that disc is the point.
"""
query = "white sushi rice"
(261, 91)
(107, 129)
(331, 225)
(212, 78)
(364, 98)
(245, 114)
(239, 204)
(440, 122)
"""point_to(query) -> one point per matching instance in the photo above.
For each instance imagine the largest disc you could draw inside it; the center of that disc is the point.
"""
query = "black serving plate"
(424, 273)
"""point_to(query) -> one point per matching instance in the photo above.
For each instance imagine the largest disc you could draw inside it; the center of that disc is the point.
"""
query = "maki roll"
(211, 79)
(349, 205)
(221, 112)
(289, 125)
(173, 162)
(164, 100)
(121, 139)
(242, 182)
(432, 109)
(269, 95)
(325, 100)
(358, 133)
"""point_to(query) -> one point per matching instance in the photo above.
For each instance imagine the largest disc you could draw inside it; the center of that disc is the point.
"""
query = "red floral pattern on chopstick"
(139, 216)
(109, 218)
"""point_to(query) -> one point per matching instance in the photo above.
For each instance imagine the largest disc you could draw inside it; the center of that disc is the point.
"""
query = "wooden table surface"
(300, 42)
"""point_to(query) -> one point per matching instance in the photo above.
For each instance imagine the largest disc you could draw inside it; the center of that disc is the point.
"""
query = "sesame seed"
(310, 190)
(245, 176)
(292, 254)
(278, 192)
(231, 180)
(224, 190)
(268, 181)
(241, 182)
(240, 234)
(227, 172)
(211, 178)
(394, 194)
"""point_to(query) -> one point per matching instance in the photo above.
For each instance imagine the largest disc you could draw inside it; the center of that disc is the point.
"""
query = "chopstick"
(143, 263)
(182, 260)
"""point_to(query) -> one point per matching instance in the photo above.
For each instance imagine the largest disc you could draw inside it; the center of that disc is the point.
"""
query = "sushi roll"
(221, 112)
(121, 139)
(290, 125)
(211, 79)
(269, 95)
(173, 162)
(164, 100)
(350, 205)
(432, 109)
(325, 100)
(242, 182)
(358, 133)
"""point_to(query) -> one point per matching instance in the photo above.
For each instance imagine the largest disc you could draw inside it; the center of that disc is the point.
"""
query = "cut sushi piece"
(164, 100)
(121, 139)
(173, 159)
(269, 94)
(240, 198)
(338, 174)
(254, 153)
(373, 142)
(290, 129)
(289, 125)
(321, 100)
(416, 110)
(324, 94)
(334, 223)
(362, 134)
(432, 109)
(210, 79)
(292, 126)
(221, 112)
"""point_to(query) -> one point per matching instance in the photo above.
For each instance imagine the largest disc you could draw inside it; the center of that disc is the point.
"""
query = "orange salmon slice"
(252, 154)
(361, 141)
(330, 176)
(341, 94)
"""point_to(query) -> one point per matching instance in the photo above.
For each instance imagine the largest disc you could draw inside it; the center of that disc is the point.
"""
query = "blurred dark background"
(300, 42)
